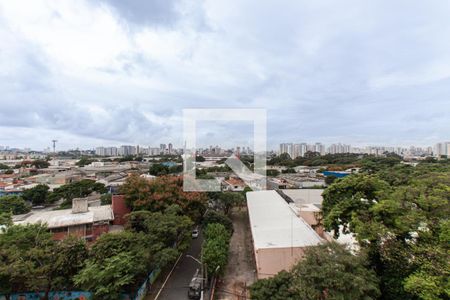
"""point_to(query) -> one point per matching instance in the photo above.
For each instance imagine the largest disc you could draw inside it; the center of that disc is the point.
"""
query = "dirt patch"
(240, 271)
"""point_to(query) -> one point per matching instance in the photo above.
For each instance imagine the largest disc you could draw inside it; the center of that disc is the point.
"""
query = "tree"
(199, 158)
(70, 256)
(106, 199)
(169, 228)
(401, 223)
(5, 219)
(225, 201)
(84, 161)
(162, 169)
(36, 195)
(331, 272)
(212, 217)
(13, 204)
(278, 287)
(40, 164)
(215, 247)
(110, 277)
(272, 173)
(162, 192)
(348, 195)
(330, 179)
(31, 260)
(80, 189)
(327, 271)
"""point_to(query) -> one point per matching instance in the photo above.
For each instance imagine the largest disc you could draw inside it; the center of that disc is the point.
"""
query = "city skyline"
(91, 73)
(309, 146)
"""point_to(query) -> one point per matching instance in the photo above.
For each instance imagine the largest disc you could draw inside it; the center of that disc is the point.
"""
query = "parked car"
(195, 233)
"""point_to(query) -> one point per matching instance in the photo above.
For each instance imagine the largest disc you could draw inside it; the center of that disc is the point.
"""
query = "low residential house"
(81, 220)
(233, 184)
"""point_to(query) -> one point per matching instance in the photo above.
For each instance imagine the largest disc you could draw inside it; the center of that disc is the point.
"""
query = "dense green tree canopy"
(159, 169)
(215, 247)
(13, 204)
(399, 215)
(212, 217)
(30, 260)
(37, 195)
(79, 189)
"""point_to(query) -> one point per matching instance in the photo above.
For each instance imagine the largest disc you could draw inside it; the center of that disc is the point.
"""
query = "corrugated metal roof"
(65, 217)
(275, 225)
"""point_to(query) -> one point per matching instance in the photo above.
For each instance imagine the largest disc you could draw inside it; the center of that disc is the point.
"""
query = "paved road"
(177, 286)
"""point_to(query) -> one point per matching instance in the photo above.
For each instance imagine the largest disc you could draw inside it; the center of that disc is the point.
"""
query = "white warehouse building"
(279, 235)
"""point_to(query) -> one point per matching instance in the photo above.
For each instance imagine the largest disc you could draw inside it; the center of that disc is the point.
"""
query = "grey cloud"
(146, 12)
(314, 66)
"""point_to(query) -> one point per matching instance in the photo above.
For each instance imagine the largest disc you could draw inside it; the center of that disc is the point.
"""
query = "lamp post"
(204, 268)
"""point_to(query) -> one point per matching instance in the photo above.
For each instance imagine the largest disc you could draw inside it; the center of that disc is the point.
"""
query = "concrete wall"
(270, 261)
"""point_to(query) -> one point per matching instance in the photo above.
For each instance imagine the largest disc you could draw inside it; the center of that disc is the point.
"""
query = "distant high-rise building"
(100, 151)
(126, 150)
(286, 148)
(441, 149)
(170, 149)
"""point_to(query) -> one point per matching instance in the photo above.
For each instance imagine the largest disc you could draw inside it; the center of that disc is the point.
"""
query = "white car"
(195, 233)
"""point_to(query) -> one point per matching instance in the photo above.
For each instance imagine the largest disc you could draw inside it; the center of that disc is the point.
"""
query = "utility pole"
(54, 146)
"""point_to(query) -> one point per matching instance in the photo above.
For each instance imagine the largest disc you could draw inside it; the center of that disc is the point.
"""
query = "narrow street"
(240, 271)
(176, 287)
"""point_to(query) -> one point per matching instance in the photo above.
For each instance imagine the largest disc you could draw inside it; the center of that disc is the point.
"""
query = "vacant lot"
(240, 271)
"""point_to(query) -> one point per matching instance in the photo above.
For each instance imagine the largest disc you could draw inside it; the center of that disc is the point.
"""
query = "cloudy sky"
(113, 72)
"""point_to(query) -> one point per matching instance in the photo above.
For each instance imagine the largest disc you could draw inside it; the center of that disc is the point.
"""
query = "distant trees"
(313, 159)
(162, 169)
(37, 195)
(84, 161)
(40, 164)
(272, 172)
(13, 204)
(78, 189)
(288, 170)
(327, 272)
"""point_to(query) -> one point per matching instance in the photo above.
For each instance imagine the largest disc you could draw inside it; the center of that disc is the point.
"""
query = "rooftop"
(304, 196)
(65, 217)
(275, 225)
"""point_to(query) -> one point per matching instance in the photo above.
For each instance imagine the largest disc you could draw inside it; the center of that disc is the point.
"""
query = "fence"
(81, 295)
(57, 295)
(142, 291)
